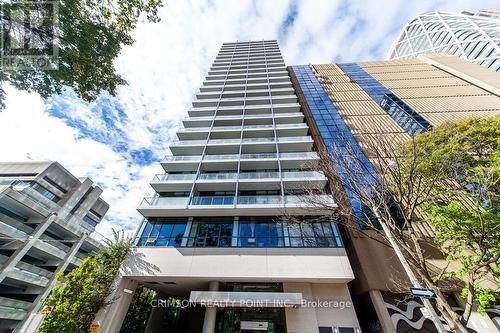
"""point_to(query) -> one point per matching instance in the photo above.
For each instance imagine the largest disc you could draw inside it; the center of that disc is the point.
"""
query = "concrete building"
(218, 232)
(475, 37)
(46, 217)
(392, 100)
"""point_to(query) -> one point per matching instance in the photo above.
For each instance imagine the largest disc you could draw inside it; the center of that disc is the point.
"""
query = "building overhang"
(246, 299)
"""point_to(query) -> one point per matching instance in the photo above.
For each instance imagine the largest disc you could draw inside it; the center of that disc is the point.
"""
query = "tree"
(78, 295)
(87, 34)
(465, 210)
(422, 181)
(138, 312)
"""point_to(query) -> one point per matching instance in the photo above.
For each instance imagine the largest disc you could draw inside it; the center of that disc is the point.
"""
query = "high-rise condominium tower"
(475, 37)
(220, 229)
(356, 105)
(47, 216)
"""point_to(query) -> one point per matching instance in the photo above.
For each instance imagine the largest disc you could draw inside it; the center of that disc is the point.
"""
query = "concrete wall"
(237, 264)
(336, 309)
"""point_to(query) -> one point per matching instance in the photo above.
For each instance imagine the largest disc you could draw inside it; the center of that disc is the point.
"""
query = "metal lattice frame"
(472, 37)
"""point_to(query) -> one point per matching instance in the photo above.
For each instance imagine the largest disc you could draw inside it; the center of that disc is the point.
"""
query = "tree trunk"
(469, 301)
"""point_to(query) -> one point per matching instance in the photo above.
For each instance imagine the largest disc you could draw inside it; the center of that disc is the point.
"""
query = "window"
(89, 220)
(46, 193)
(312, 234)
(163, 232)
(260, 232)
(53, 183)
(211, 232)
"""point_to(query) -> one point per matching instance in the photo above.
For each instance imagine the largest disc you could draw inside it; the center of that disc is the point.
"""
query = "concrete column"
(88, 203)
(382, 313)
(210, 312)
(111, 317)
(23, 249)
(75, 197)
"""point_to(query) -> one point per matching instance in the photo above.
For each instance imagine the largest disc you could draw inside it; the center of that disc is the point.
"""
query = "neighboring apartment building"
(475, 37)
(218, 228)
(46, 217)
(356, 103)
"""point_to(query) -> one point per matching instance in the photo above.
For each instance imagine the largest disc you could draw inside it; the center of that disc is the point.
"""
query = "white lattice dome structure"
(475, 37)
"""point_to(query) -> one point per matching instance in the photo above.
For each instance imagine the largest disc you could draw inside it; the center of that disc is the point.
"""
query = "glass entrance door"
(251, 320)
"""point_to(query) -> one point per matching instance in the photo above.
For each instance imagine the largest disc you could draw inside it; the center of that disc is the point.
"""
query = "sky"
(118, 141)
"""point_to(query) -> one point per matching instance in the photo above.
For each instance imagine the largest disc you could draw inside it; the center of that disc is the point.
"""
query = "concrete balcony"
(27, 274)
(227, 132)
(247, 70)
(245, 87)
(250, 145)
(26, 277)
(272, 79)
(173, 182)
(245, 93)
(241, 101)
(43, 249)
(248, 64)
(238, 110)
(12, 309)
(257, 73)
(181, 163)
(234, 120)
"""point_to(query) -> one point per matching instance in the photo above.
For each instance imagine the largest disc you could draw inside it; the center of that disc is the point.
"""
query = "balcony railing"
(212, 200)
(259, 175)
(307, 200)
(220, 157)
(182, 158)
(164, 201)
(218, 176)
(174, 177)
(260, 200)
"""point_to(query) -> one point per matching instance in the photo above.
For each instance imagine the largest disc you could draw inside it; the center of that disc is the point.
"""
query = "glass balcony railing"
(294, 138)
(260, 200)
(308, 200)
(223, 141)
(182, 158)
(258, 156)
(164, 201)
(303, 175)
(218, 176)
(189, 143)
(306, 154)
(248, 140)
(212, 200)
(173, 177)
(220, 157)
(259, 175)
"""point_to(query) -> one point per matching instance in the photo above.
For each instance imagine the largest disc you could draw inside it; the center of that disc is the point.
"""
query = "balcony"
(209, 112)
(258, 205)
(245, 100)
(173, 182)
(221, 81)
(12, 309)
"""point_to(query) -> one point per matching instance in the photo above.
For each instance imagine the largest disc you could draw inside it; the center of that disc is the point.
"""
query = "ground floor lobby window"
(251, 320)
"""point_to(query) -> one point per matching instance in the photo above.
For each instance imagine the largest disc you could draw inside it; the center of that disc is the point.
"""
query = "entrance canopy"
(245, 299)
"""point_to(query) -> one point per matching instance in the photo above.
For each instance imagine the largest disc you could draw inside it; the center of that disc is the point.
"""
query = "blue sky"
(118, 141)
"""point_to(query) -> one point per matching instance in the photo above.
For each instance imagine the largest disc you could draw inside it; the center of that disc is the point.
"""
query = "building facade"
(46, 218)
(389, 101)
(475, 37)
(229, 226)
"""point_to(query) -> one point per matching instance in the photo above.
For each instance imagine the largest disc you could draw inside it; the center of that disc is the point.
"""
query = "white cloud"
(165, 67)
